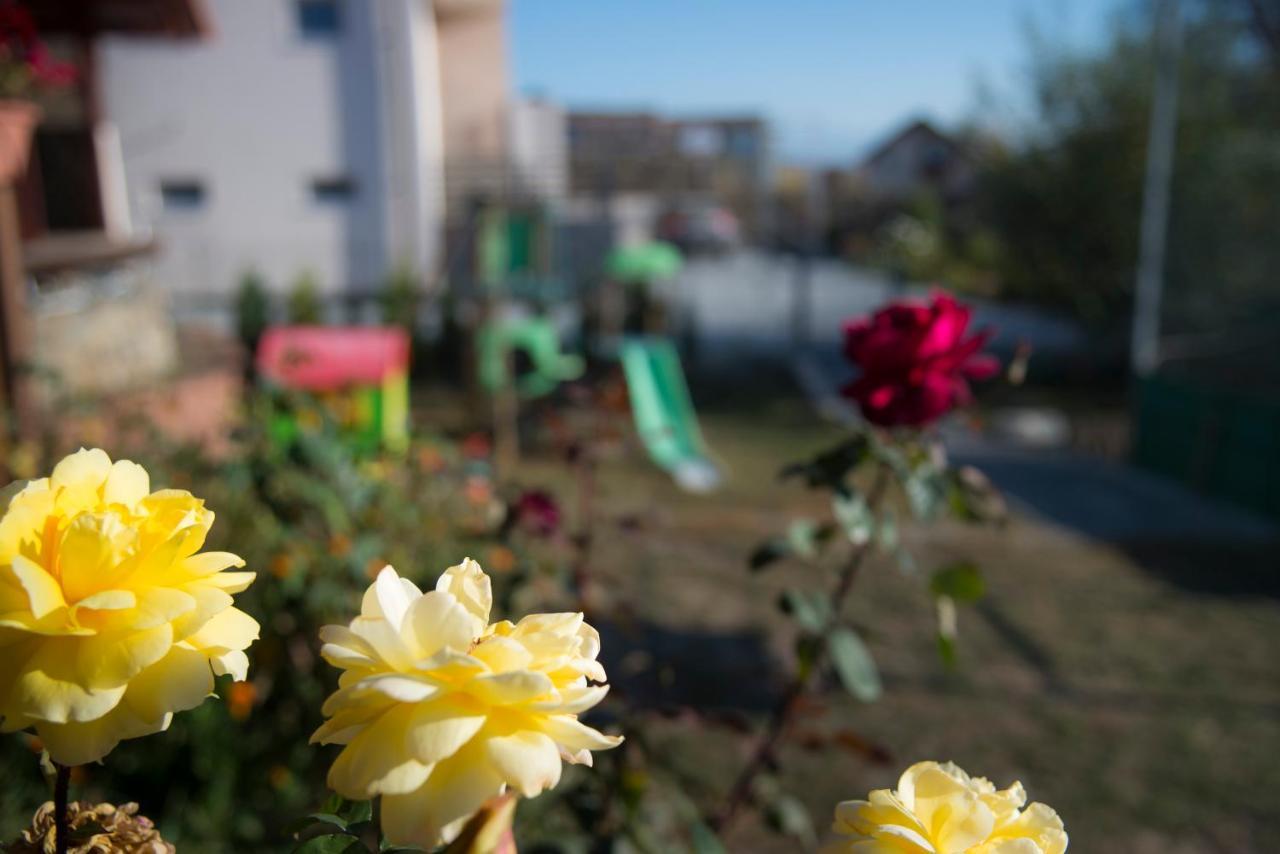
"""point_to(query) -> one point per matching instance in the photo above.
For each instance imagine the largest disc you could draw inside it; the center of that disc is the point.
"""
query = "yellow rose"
(939, 809)
(440, 711)
(109, 619)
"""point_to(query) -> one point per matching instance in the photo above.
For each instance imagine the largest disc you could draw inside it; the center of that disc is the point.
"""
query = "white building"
(308, 136)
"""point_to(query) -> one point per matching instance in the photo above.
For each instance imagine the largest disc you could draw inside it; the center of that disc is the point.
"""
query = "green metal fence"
(1221, 441)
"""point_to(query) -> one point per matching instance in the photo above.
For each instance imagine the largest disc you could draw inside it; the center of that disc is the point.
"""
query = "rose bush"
(439, 710)
(916, 361)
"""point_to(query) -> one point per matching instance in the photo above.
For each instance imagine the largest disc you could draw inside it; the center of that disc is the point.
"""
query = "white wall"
(256, 111)
(539, 147)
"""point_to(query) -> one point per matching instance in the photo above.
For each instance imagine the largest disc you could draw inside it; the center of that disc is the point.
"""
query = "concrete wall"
(474, 90)
(257, 112)
(539, 147)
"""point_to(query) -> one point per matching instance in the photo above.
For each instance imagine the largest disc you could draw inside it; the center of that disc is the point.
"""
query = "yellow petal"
(388, 597)
(573, 735)
(437, 729)
(127, 484)
(374, 762)
(517, 686)
(44, 595)
(49, 687)
(437, 620)
(232, 662)
(207, 563)
(82, 743)
(456, 788)
(93, 554)
(573, 701)
(386, 640)
(209, 602)
(179, 681)
(470, 586)
(231, 629)
(111, 660)
(231, 582)
(83, 469)
(157, 605)
(502, 653)
(528, 761)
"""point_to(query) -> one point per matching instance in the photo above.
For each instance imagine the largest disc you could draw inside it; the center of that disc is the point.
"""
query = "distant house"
(724, 158)
(916, 159)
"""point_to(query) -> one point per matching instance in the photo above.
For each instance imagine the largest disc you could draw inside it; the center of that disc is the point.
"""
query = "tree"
(1066, 201)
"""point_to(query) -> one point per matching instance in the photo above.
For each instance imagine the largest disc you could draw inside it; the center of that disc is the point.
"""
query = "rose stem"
(780, 718)
(61, 786)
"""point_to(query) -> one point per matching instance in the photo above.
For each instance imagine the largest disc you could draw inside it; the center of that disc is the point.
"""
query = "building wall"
(256, 113)
(539, 148)
(475, 95)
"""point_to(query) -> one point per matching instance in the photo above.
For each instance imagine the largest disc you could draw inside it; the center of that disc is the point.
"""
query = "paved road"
(744, 304)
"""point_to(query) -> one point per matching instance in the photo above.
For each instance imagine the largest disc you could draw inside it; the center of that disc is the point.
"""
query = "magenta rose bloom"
(538, 513)
(916, 361)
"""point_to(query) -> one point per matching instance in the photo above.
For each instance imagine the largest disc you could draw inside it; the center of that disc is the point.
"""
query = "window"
(333, 190)
(182, 194)
(318, 18)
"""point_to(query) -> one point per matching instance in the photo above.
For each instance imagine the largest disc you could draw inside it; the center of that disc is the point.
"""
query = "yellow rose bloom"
(109, 619)
(939, 809)
(440, 711)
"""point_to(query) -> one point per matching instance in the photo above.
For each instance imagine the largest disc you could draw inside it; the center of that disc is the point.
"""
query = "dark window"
(337, 189)
(318, 18)
(182, 194)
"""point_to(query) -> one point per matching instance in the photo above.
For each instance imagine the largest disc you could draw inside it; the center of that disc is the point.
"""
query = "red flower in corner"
(915, 360)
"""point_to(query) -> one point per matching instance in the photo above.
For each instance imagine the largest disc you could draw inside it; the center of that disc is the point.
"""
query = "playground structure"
(359, 374)
(521, 357)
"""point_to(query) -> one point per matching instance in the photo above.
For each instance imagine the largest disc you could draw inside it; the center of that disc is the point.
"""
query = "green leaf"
(830, 468)
(926, 490)
(809, 609)
(961, 581)
(768, 552)
(854, 665)
(328, 818)
(787, 815)
(887, 532)
(332, 843)
(359, 811)
(704, 840)
(947, 650)
(801, 538)
(854, 516)
(973, 498)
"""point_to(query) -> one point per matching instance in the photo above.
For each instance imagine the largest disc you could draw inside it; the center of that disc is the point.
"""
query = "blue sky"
(832, 76)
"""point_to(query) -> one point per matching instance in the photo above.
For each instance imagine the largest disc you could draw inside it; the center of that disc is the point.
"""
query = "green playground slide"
(664, 414)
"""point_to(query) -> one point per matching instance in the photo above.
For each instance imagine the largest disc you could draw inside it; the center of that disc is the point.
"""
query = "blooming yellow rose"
(109, 619)
(939, 809)
(439, 710)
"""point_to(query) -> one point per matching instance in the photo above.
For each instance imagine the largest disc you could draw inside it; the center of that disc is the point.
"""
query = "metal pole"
(1149, 287)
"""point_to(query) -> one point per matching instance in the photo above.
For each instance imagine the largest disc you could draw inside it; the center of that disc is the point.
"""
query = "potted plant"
(26, 65)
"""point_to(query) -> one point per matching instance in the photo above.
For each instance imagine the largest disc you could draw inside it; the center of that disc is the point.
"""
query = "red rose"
(915, 360)
(538, 513)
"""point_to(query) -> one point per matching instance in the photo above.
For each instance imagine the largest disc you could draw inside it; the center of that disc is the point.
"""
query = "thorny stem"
(780, 717)
(373, 835)
(61, 788)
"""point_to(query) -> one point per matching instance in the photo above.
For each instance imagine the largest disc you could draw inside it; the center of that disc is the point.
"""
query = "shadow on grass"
(1238, 570)
(660, 668)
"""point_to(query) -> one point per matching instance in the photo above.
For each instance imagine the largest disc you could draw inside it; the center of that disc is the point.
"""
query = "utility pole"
(1161, 138)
